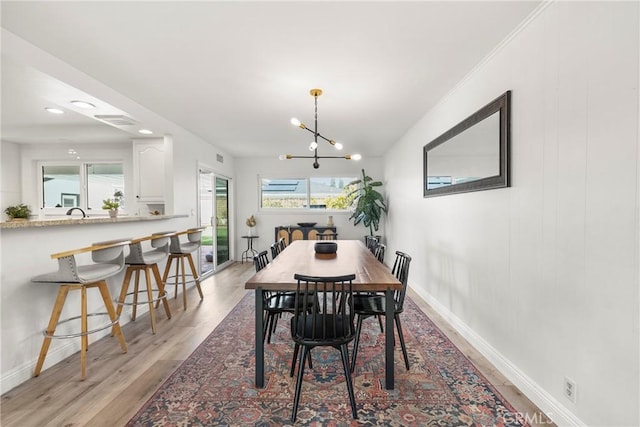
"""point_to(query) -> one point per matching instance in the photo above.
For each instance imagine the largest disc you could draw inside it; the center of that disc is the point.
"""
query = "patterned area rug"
(215, 385)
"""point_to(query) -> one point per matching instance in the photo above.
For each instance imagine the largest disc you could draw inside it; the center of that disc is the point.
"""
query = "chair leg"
(344, 352)
(380, 322)
(136, 288)
(402, 344)
(295, 358)
(184, 284)
(123, 294)
(161, 290)
(356, 342)
(51, 328)
(152, 311)
(175, 294)
(296, 349)
(194, 272)
(165, 274)
(84, 339)
(296, 398)
(104, 291)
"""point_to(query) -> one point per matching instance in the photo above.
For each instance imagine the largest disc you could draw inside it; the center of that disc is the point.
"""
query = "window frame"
(84, 181)
(306, 209)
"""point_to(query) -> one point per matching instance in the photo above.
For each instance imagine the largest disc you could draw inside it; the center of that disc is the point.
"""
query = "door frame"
(203, 167)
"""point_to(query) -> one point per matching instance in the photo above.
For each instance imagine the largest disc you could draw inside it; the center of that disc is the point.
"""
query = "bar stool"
(178, 251)
(108, 260)
(146, 261)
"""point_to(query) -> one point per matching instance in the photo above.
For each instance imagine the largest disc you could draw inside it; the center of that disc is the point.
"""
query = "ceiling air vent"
(116, 119)
(220, 158)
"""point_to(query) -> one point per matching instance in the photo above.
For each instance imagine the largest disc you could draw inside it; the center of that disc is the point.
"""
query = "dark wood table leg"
(388, 339)
(259, 340)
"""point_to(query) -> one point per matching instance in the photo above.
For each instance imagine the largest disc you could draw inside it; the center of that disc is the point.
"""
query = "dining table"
(300, 257)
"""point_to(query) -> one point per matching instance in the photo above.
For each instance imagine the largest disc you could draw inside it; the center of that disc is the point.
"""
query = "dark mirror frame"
(501, 104)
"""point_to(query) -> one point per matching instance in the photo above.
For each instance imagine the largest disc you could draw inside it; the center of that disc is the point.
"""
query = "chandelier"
(314, 144)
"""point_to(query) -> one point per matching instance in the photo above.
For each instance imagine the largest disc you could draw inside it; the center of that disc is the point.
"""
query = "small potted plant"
(113, 203)
(18, 212)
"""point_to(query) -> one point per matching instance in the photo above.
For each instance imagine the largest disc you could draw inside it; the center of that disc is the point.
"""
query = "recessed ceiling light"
(145, 132)
(83, 104)
(54, 110)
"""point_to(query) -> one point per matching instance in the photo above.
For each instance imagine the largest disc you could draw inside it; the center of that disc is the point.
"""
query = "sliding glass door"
(222, 220)
(214, 217)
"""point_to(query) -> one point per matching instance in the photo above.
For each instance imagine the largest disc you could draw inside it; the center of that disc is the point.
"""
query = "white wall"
(10, 175)
(543, 276)
(247, 187)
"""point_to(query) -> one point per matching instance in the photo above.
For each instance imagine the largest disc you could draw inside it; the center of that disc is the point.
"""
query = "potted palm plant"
(113, 204)
(366, 202)
(18, 212)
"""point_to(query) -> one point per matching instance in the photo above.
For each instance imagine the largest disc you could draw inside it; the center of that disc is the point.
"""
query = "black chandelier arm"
(289, 156)
(330, 141)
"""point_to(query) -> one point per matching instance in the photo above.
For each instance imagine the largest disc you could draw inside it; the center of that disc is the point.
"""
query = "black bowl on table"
(326, 247)
(307, 224)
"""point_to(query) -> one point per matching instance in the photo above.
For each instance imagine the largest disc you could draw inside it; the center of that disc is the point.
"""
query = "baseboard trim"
(540, 397)
(23, 373)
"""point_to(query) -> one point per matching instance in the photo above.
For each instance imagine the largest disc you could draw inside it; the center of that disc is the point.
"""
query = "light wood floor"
(117, 384)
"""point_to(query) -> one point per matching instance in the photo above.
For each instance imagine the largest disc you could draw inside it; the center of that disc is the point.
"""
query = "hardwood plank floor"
(118, 384)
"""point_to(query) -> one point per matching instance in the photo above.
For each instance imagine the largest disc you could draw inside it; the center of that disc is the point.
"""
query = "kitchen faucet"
(73, 209)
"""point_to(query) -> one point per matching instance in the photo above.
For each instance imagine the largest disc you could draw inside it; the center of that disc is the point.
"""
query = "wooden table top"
(299, 257)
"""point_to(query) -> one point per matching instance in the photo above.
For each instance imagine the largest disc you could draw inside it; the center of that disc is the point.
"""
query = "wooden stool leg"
(160, 284)
(175, 294)
(165, 275)
(51, 328)
(104, 291)
(184, 284)
(195, 275)
(152, 311)
(136, 288)
(84, 339)
(123, 292)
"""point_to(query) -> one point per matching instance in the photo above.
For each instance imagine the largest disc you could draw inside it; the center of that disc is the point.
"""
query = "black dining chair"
(275, 250)
(374, 305)
(274, 303)
(380, 251)
(281, 245)
(371, 242)
(326, 321)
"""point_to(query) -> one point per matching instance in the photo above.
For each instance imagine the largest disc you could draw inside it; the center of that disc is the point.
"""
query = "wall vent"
(220, 158)
(116, 119)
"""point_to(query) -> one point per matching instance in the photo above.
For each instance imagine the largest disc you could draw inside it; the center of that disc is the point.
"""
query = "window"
(84, 185)
(328, 193)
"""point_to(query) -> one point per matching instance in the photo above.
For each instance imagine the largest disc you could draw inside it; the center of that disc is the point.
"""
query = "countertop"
(83, 221)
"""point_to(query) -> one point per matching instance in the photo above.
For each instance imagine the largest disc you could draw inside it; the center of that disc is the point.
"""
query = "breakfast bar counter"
(83, 221)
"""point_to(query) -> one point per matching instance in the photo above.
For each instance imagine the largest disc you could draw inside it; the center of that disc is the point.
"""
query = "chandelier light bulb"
(282, 157)
(313, 146)
(356, 157)
(295, 121)
(338, 146)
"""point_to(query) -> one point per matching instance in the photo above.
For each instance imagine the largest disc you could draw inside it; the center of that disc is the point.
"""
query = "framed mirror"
(473, 155)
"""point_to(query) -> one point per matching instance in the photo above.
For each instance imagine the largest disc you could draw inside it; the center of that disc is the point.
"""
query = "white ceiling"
(234, 73)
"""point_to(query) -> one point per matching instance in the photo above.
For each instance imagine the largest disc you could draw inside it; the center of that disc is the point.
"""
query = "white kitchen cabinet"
(149, 170)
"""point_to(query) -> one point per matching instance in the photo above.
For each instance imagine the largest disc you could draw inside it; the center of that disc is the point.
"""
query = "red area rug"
(215, 385)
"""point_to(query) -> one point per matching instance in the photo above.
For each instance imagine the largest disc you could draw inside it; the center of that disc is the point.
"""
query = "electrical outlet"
(570, 389)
